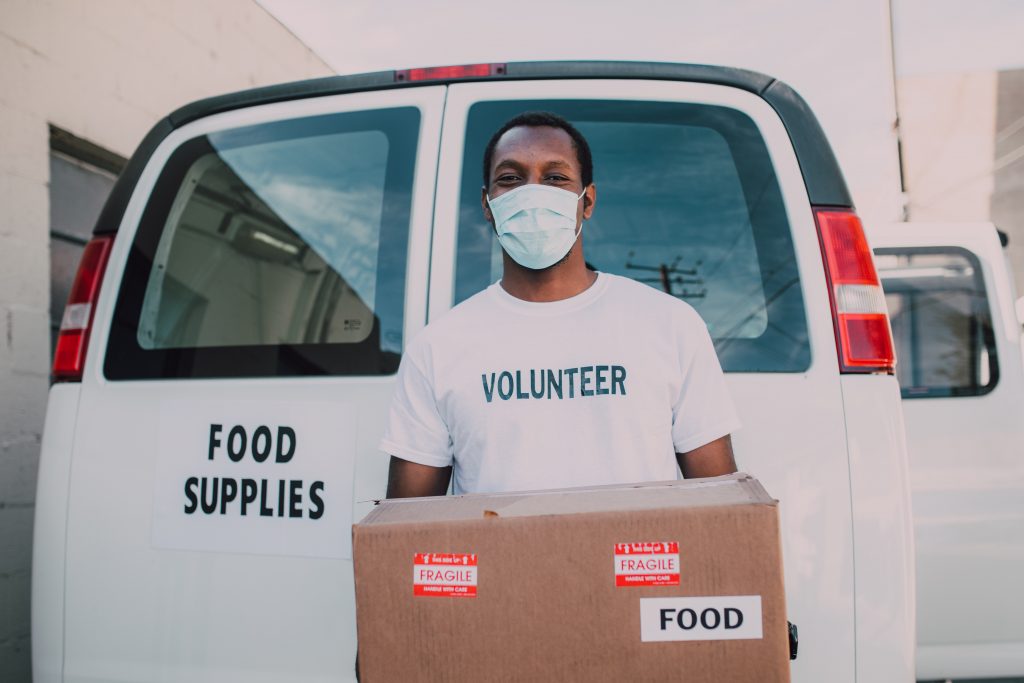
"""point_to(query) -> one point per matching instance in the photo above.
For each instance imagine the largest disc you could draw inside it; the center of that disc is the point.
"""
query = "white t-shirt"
(601, 388)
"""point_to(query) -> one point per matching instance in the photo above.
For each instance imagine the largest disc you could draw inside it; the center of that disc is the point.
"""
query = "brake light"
(73, 337)
(443, 73)
(863, 335)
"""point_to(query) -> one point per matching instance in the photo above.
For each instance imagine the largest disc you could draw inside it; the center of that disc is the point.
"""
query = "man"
(557, 375)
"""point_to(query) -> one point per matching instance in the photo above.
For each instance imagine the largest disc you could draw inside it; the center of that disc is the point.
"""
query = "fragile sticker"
(647, 564)
(444, 575)
(725, 617)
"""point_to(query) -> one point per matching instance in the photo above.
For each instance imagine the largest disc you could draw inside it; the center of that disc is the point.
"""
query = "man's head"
(543, 165)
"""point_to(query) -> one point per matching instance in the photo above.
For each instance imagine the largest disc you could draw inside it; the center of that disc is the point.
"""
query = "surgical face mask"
(536, 224)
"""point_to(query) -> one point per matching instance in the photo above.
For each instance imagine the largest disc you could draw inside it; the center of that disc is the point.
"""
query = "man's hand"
(710, 460)
(412, 480)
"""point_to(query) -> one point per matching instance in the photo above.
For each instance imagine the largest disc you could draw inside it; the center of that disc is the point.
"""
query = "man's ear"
(487, 209)
(589, 199)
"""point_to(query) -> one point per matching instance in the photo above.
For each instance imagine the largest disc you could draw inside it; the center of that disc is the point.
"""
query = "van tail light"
(863, 335)
(73, 337)
(445, 73)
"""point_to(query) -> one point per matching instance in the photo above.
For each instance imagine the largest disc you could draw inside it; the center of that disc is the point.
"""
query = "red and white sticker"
(647, 564)
(444, 575)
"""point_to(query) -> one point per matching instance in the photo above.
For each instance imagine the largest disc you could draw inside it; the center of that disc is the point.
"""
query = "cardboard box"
(665, 581)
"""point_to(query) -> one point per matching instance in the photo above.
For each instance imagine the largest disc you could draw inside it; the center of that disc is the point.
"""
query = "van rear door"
(699, 193)
(950, 300)
(273, 260)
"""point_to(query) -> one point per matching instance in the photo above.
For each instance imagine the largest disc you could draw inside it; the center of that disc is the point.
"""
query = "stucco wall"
(104, 70)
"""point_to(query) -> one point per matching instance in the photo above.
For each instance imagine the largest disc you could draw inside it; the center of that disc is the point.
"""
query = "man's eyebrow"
(508, 162)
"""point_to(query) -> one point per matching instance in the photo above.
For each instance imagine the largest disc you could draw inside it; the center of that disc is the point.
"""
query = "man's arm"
(710, 460)
(412, 480)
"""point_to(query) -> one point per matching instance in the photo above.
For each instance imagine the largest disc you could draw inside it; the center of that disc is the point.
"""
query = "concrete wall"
(963, 151)
(947, 123)
(103, 70)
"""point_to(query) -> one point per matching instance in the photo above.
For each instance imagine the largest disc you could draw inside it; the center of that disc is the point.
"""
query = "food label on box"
(647, 564)
(444, 575)
(730, 617)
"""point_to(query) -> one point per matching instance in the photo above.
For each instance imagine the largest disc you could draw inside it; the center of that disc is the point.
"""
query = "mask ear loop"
(580, 229)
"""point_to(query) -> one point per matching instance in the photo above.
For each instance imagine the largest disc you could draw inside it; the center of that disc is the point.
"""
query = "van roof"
(818, 165)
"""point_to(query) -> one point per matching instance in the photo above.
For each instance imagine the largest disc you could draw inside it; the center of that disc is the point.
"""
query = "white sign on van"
(731, 617)
(260, 477)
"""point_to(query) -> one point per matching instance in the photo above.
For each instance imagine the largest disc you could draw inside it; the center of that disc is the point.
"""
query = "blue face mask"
(536, 224)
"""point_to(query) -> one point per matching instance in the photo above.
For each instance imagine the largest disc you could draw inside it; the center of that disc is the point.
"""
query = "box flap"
(732, 489)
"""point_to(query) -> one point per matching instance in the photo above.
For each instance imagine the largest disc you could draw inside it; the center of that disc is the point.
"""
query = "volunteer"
(556, 375)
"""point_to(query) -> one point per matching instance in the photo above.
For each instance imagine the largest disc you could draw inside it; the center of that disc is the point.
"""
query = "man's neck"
(561, 281)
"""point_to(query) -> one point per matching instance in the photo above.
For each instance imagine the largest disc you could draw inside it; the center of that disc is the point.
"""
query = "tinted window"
(940, 322)
(687, 202)
(276, 249)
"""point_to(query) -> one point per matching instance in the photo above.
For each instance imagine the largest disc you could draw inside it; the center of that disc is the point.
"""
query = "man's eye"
(507, 178)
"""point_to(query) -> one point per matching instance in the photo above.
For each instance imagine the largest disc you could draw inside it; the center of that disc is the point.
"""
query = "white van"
(228, 352)
(951, 299)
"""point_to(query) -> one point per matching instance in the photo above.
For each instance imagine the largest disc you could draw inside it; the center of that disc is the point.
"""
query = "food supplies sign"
(647, 564)
(258, 477)
(444, 575)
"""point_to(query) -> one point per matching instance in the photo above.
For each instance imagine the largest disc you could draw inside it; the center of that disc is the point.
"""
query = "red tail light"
(442, 73)
(73, 337)
(863, 336)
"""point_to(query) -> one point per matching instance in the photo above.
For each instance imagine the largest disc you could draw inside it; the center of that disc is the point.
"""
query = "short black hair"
(536, 119)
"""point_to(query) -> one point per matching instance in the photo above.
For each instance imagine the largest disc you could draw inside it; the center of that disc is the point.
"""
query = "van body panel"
(50, 531)
(796, 446)
(883, 536)
(967, 478)
(211, 614)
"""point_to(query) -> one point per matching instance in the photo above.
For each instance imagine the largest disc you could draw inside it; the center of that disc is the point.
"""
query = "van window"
(687, 202)
(940, 321)
(275, 249)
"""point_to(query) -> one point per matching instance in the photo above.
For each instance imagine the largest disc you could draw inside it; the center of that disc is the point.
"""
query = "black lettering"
(737, 617)
(280, 498)
(571, 372)
(601, 378)
(315, 490)
(295, 496)
(666, 617)
(585, 372)
(190, 493)
(504, 393)
(236, 454)
(619, 379)
(228, 492)
(704, 619)
(553, 386)
(248, 491)
(519, 385)
(283, 432)
(264, 510)
(261, 453)
(214, 441)
(682, 622)
(533, 384)
(211, 507)
(488, 390)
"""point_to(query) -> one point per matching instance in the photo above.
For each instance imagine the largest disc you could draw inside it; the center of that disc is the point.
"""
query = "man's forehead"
(546, 140)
